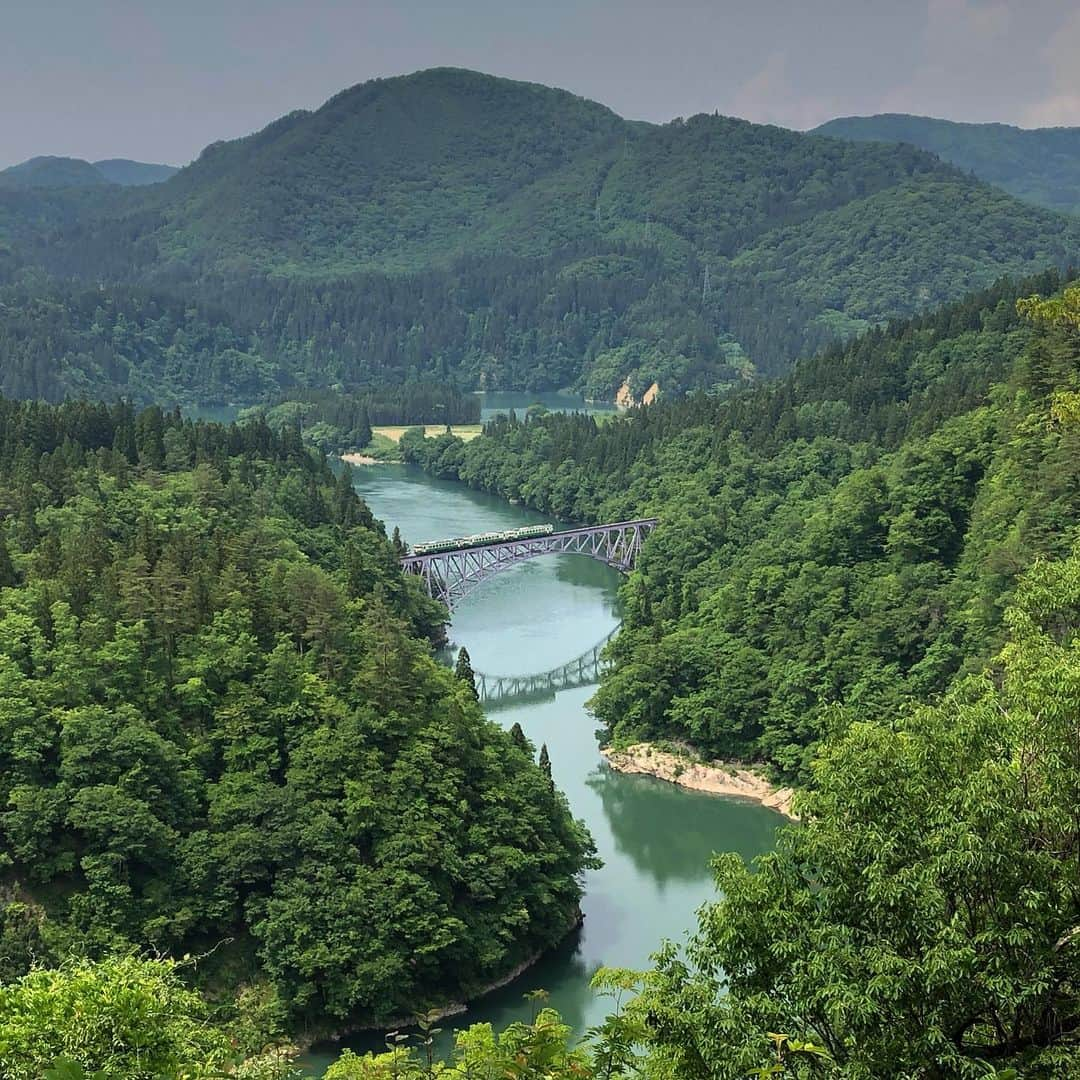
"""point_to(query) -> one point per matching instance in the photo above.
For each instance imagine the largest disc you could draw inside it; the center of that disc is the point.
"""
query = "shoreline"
(354, 457)
(308, 1042)
(713, 777)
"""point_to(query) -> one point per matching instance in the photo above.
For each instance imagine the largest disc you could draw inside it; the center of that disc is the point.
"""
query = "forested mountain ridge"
(128, 173)
(61, 172)
(146, 345)
(51, 172)
(848, 535)
(224, 733)
(1040, 165)
(919, 920)
(507, 235)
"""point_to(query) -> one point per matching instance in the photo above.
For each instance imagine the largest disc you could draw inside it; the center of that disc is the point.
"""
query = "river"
(655, 839)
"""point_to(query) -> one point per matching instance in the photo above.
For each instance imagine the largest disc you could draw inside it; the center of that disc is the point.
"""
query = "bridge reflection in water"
(503, 691)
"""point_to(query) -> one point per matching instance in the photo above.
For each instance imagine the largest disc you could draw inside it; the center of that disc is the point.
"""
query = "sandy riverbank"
(361, 459)
(717, 777)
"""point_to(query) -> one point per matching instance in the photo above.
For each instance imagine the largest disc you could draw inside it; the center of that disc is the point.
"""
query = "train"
(526, 532)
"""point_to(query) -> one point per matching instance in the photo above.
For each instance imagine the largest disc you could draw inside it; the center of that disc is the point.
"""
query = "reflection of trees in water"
(669, 833)
(574, 570)
(561, 972)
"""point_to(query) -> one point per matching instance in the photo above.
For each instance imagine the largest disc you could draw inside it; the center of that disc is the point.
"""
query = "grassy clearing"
(394, 432)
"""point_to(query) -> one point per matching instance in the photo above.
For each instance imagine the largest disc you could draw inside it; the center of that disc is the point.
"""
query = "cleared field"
(394, 432)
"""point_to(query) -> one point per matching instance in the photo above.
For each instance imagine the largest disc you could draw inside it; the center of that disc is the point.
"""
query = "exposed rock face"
(717, 777)
(624, 398)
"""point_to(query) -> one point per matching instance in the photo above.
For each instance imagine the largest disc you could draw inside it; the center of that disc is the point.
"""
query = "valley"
(494, 588)
(527, 620)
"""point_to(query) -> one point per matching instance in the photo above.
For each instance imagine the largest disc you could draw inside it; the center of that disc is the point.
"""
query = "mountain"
(1039, 165)
(128, 173)
(64, 172)
(393, 174)
(455, 225)
(51, 172)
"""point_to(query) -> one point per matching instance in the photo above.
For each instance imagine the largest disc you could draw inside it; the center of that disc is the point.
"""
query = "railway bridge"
(453, 574)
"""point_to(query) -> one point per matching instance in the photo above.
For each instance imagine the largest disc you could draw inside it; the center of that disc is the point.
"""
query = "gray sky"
(157, 80)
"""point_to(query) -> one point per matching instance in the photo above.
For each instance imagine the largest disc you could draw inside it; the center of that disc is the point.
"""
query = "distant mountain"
(391, 174)
(64, 172)
(51, 172)
(1040, 165)
(133, 173)
(505, 234)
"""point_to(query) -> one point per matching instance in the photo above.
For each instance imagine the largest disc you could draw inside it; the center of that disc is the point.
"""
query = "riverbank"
(364, 459)
(715, 777)
(328, 1041)
(385, 440)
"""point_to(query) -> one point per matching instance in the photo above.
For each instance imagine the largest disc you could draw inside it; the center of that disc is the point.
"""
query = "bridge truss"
(450, 576)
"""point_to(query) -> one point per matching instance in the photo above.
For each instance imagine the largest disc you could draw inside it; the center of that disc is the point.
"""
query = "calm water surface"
(497, 401)
(655, 839)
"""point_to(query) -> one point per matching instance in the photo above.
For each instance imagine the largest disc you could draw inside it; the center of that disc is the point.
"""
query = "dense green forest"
(504, 235)
(242, 804)
(224, 733)
(68, 340)
(1040, 165)
(63, 172)
(920, 921)
(848, 535)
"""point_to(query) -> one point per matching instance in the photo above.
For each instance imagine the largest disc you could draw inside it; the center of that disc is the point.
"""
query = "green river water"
(655, 839)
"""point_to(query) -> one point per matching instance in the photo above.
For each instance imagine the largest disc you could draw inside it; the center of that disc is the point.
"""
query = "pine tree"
(463, 670)
(8, 575)
(363, 428)
(518, 736)
(345, 498)
(545, 764)
(399, 544)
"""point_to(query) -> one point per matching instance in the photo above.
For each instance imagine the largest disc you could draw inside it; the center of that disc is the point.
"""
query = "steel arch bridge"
(500, 691)
(450, 576)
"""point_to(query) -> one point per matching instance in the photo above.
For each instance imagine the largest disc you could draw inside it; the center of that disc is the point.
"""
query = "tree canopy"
(848, 534)
(223, 731)
(502, 235)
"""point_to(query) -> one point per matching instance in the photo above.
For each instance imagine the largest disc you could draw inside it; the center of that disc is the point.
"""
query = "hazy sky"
(159, 79)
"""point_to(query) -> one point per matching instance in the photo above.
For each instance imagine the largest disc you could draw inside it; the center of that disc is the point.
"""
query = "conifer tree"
(518, 735)
(545, 764)
(8, 576)
(463, 670)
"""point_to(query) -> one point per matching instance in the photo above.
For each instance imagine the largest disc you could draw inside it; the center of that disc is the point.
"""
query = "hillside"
(63, 172)
(51, 172)
(243, 747)
(849, 534)
(128, 173)
(61, 340)
(455, 225)
(1039, 165)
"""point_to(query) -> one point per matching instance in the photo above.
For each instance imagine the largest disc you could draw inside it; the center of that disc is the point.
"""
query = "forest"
(919, 921)
(499, 235)
(224, 736)
(243, 804)
(845, 537)
(1041, 166)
